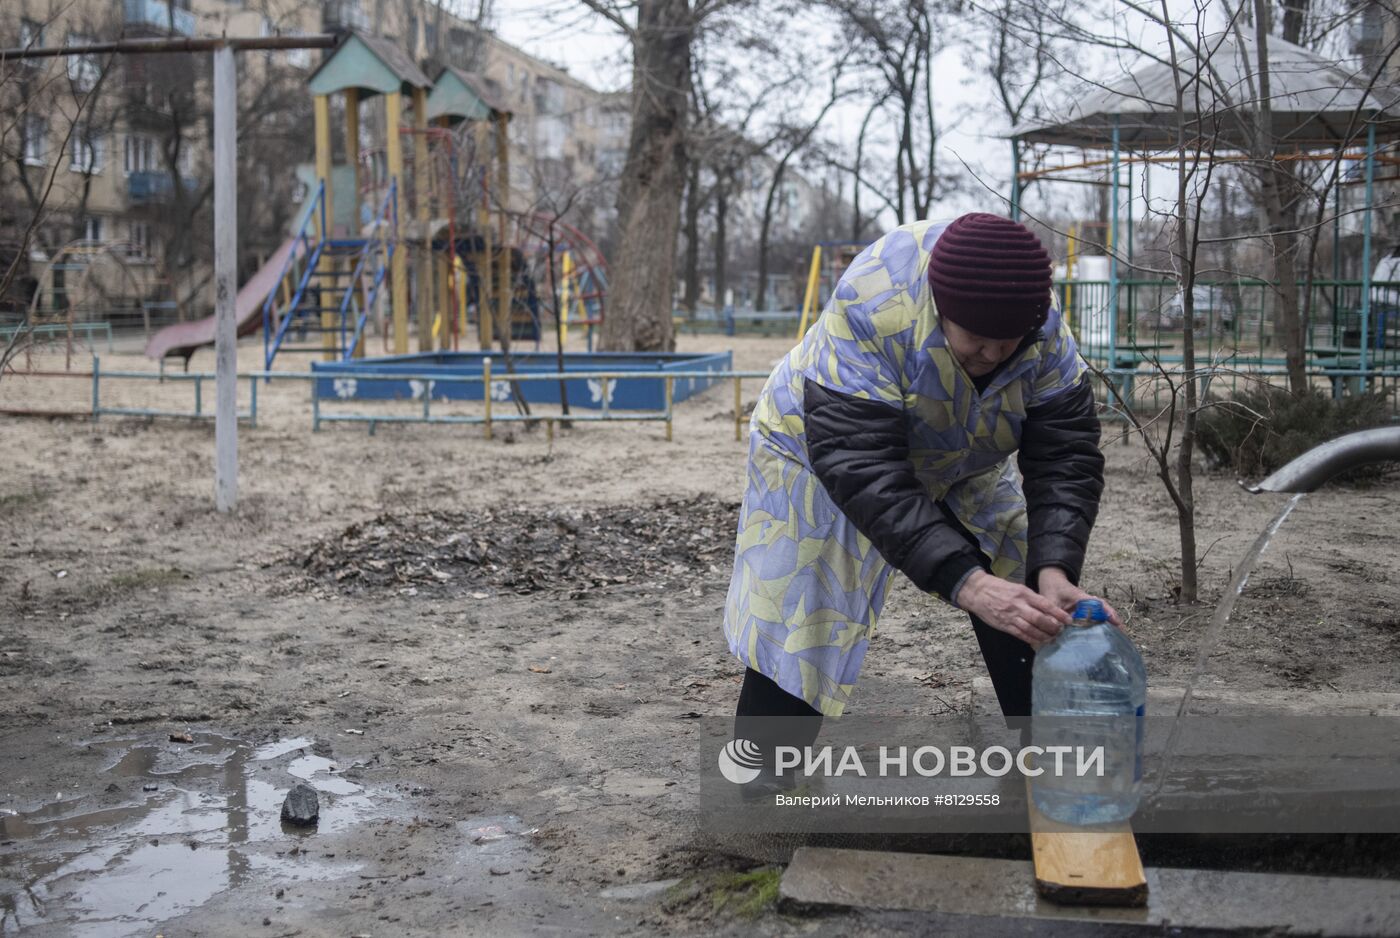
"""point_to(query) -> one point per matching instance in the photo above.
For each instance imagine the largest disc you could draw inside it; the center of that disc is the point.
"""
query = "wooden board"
(1086, 867)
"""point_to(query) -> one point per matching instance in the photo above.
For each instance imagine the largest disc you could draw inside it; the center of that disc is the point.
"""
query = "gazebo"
(1316, 110)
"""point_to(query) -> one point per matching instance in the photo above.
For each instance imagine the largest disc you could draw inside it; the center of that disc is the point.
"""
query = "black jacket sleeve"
(859, 450)
(1062, 475)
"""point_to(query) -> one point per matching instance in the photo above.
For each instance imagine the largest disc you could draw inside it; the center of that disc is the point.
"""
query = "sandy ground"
(500, 761)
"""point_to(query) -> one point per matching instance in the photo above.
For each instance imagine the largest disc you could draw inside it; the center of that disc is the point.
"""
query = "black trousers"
(1008, 661)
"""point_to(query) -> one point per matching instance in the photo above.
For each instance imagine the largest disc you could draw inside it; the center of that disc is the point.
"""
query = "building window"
(89, 151)
(549, 97)
(186, 159)
(31, 34)
(83, 70)
(92, 228)
(458, 41)
(141, 154)
(139, 239)
(550, 136)
(346, 13)
(299, 58)
(36, 132)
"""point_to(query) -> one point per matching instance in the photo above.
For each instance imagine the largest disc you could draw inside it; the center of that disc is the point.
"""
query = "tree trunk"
(1283, 243)
(900, 178)
(653, 181)
(1279, 207)
(560, 314)
(1185, 450)
(721, 246)
(857, 223)
(1187, 242)
(692, 241)
(764, 228)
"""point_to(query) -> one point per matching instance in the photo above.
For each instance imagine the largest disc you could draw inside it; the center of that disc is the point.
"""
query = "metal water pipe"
(1317, 465)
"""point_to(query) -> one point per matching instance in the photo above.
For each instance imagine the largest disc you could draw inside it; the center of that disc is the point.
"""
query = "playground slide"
(185, 338)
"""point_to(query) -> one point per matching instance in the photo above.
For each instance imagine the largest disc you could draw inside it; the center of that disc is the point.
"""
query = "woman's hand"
(1056, 587)
(1012, 608)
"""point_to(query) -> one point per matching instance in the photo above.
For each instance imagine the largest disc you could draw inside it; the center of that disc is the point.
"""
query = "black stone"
(302, 807)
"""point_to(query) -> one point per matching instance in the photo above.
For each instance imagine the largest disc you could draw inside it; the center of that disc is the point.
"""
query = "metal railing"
(729, 321)
(1236, 318)
(159, 14)
(296, 272)
(144, 186)
(382, 246)
(198, 379)
(61, 330)
(488, 419)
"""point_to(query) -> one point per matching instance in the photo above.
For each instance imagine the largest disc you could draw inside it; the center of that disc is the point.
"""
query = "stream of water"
(1217, 624)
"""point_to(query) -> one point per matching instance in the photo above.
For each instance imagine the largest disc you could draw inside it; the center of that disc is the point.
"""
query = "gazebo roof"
(370, 63)
(464, 95)
(1314, 101)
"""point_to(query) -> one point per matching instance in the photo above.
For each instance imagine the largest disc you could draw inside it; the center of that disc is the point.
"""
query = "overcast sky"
(560, 32)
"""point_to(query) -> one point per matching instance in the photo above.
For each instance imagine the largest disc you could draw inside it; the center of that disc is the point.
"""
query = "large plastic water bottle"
(1089, 689)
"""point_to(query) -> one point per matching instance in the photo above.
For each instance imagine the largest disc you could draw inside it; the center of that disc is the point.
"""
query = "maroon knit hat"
(991, 276)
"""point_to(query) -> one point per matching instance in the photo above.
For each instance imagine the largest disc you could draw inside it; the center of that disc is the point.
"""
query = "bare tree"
(661, 34)
(900, 40)
(42, 101)
(743, 82)
(1017, 47)
(833, 155)
(794, 138)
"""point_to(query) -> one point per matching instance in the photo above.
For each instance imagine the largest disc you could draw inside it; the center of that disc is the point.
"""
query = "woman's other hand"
(1012, 608)
(1056, 587)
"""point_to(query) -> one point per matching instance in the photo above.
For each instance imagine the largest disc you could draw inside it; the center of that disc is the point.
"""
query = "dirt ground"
(500, 725)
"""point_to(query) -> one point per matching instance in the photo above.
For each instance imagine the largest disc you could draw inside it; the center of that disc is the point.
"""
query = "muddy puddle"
(165, 827)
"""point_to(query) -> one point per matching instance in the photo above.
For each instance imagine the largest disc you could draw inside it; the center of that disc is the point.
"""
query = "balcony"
(343, 14)
(147, 187)
(157, 14)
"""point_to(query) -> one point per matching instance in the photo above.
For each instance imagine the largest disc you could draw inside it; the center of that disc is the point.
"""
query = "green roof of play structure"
(463, 95)
(370, 64)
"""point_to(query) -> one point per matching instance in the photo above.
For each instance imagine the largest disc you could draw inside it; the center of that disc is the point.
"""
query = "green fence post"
(1366, 250)
(1113, 255)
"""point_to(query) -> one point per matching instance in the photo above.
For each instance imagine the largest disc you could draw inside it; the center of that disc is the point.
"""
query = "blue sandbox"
(344, 379)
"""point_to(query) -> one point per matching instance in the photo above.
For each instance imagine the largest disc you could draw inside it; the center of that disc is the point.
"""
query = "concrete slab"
(1192, 900)
(1212, 695)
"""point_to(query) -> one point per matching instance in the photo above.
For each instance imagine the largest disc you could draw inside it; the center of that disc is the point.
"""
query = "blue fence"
(412, 377)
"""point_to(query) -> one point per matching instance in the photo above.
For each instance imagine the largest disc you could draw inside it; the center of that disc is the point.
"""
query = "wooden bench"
(1338, 358)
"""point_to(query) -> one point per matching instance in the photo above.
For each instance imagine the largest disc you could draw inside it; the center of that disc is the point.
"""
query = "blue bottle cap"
(1091, 609)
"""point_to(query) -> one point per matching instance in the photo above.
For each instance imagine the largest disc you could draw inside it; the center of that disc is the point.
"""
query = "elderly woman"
(885, 440)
